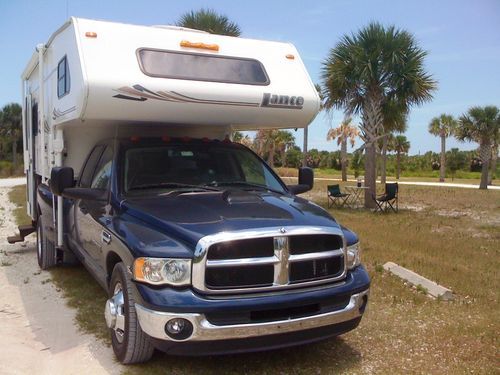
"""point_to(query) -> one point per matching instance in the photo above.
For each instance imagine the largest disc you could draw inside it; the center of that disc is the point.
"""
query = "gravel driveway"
(37, 329)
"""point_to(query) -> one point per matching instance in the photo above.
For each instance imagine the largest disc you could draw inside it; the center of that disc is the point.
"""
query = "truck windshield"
(195, 167)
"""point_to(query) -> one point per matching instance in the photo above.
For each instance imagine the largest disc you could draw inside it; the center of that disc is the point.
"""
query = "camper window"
(62, 77)
(202, 67)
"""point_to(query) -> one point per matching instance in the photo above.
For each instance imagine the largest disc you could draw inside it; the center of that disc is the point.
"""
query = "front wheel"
(45, 249)
(130, 343)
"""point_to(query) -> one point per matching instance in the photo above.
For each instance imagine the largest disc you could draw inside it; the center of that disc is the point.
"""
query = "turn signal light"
(91, 34)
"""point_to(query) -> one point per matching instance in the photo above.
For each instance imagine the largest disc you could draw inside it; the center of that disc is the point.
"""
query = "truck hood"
(187, 217)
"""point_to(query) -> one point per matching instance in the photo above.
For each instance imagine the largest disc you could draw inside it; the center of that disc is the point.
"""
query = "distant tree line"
(11, 139)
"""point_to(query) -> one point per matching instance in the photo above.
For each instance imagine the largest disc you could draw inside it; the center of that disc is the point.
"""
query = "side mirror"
(61, 178)
(306, 181)
(62, 182)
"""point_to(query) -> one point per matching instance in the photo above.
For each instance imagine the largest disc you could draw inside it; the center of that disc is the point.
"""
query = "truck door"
(86, 213)
(98, 211)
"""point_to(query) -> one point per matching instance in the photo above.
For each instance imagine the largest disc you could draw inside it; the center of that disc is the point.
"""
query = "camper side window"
(63, 77)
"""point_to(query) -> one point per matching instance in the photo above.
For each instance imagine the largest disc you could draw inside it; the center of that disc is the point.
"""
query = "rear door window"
(102, 176)
(90, 165)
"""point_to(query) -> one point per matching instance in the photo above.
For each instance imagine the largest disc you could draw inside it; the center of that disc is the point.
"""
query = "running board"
(24, 230)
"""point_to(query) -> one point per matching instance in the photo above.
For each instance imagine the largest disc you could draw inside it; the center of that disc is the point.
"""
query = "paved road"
(416, 183)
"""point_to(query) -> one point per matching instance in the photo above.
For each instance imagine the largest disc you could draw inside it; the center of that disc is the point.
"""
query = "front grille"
(272, 262)
(315, 269)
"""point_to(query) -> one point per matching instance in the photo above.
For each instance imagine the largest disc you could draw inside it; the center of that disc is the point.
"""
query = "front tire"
(46, 251)
(130, 343)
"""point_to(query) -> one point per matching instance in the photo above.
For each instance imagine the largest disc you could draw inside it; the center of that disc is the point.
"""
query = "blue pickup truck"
(202, 248)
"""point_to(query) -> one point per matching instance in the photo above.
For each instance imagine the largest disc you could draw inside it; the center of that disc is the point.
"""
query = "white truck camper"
(94, 80)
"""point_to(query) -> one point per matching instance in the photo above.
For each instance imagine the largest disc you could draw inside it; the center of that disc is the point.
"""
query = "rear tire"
(130, 343)
(46, 251)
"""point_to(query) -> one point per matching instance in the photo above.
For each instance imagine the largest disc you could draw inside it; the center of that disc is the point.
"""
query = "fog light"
(178, 328)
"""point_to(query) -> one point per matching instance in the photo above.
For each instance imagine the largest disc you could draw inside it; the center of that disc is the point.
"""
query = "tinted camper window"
(202, 67)
(63, 77)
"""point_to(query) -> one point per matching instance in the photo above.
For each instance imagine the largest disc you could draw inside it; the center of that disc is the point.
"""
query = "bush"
(7, 169)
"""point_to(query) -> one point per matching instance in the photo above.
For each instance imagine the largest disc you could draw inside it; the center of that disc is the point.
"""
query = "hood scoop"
(240, 197)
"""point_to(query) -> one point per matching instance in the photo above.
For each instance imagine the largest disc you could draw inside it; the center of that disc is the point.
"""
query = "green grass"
(449, 235)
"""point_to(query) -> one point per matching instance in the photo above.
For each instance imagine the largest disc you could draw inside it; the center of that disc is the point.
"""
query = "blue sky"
(462, 38)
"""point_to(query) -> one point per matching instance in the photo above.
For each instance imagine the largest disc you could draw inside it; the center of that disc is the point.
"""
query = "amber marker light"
(139, 268)
(199, 45)
(91, 34)
(290, 57)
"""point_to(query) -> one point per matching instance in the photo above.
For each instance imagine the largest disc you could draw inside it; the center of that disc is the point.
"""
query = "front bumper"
(153, 322)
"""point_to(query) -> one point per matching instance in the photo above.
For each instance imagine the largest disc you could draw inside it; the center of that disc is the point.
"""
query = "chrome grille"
(269, 259)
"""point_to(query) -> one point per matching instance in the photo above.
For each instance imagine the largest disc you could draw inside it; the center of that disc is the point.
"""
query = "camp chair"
(389, 199)
(336, 197)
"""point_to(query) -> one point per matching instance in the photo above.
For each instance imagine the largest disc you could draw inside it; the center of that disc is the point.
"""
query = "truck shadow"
(334, 355)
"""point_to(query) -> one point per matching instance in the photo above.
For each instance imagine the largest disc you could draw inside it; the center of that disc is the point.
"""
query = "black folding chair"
(389, 200)
(336, 197)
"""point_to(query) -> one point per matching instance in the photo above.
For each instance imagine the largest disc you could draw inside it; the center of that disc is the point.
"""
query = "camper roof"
(171, 75)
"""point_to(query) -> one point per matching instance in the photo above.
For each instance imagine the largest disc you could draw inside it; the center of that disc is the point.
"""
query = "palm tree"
(209, 20)
(366, 70)
(11, 128)
(272, 141)
(244, 139)
(345, 132)
(481, 125)
(442, 126)
(401, 146)
(494, 158)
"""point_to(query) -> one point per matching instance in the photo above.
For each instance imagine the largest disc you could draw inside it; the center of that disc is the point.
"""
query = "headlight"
(353, 256)
(159, 271)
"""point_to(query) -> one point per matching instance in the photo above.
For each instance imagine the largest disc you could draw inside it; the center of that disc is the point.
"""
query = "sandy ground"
(37, 330)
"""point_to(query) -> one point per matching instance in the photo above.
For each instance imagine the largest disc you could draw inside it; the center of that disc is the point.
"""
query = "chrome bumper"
(153, 323)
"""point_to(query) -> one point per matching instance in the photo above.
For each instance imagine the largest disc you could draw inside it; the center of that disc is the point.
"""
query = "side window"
(63, 81)
(102, 176)
(88, 170)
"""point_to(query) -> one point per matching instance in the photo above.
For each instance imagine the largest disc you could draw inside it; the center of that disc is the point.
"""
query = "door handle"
(106, 237)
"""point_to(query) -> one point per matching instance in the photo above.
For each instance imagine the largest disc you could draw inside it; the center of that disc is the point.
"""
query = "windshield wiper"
(245, 184)
(166, 185)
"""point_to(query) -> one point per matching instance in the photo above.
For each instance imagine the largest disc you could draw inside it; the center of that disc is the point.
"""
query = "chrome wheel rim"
(115, 313)
(39, 242)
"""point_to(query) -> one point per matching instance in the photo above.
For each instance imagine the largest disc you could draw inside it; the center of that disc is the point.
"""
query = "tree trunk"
(270, 157)
(304, 158)
(371, 122)
(493, 164)
(442, 168)
(398, 165)
(484, 154)
(383, 167)
(343, 158)
(370, 177)
(14, 154)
